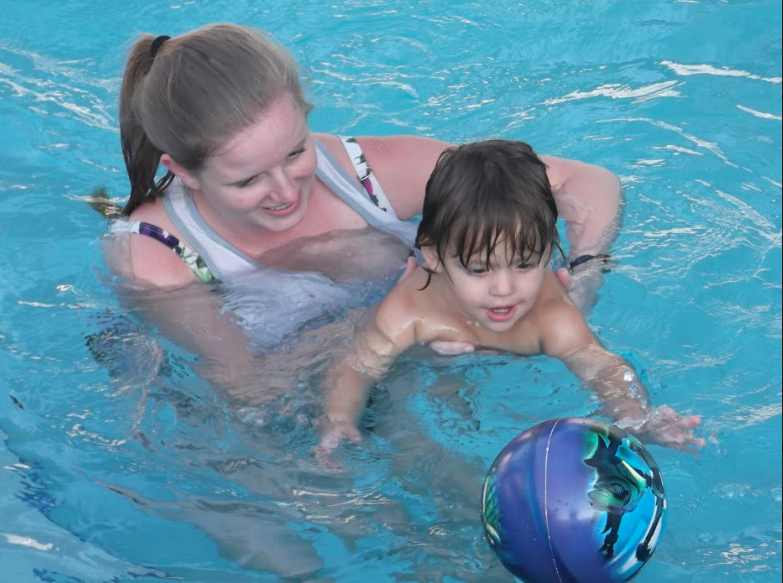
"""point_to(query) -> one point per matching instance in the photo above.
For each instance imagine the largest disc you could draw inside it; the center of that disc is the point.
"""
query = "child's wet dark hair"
(484, 193)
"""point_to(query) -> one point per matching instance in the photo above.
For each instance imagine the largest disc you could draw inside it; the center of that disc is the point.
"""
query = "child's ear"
(187, 177)
(431, 259)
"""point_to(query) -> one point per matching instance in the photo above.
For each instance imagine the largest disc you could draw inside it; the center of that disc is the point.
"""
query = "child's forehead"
(503, 249)
(480, 243)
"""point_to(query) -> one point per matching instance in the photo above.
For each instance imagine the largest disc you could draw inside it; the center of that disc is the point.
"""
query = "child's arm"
(624, 397)
(379, 338)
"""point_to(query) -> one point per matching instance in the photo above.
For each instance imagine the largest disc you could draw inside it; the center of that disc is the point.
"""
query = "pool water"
(119, 463)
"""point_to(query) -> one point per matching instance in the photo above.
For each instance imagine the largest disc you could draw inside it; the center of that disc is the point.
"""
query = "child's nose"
(502, 284)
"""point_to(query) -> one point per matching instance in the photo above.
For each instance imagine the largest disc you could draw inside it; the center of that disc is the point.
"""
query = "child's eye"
(296, 153)
(476, 270)
(531, 263)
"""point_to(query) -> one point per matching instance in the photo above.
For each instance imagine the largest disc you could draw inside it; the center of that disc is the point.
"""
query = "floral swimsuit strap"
(197, 263)
(365, 175)
(188, 255)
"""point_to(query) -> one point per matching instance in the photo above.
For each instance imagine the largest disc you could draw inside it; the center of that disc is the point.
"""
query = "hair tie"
(157, 43)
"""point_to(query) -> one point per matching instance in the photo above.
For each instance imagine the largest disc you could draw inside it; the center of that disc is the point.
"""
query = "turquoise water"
(120, 464)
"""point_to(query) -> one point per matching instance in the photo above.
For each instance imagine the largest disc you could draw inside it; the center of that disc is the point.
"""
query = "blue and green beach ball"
(574, 499)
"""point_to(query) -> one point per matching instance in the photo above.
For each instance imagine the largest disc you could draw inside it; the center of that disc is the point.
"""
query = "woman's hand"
(452, 347)
(582, 287)
(583, 278)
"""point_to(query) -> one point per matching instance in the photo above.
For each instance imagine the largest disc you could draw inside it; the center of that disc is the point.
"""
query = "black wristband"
(585, 258)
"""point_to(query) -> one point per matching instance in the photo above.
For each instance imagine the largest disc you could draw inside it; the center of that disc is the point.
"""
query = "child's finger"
(352, 434)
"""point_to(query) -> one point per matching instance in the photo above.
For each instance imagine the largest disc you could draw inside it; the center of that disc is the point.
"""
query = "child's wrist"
(631, 424)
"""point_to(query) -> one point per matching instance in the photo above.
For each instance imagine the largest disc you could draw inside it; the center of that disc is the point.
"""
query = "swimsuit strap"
(365, 175)
(188, 255)
(212, 258)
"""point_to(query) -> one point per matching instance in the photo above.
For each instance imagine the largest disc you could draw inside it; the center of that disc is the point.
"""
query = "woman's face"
(264, 175)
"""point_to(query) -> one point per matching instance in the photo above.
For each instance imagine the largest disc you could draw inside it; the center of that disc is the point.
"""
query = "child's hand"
(332, 435)
(663, 426)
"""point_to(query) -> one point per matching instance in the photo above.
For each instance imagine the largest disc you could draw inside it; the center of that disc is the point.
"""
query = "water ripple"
(686, 70)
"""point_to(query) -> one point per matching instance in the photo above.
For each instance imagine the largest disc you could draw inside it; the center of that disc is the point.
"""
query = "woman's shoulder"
(144, 260)
(389, 150)
(401, 164)
(151, 212)
(402, 147)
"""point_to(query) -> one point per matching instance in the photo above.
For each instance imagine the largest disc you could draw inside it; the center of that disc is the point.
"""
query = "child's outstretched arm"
(624, 397)
(378, 340)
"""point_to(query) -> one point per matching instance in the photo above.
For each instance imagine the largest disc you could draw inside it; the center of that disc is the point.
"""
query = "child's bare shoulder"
(414, 310)
(401, 309)
(561, 326)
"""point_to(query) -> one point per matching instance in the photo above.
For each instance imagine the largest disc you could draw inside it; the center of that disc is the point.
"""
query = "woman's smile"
(284, 209)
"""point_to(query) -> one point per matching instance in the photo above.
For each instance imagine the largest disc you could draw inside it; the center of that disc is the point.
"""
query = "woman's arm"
(588, 199)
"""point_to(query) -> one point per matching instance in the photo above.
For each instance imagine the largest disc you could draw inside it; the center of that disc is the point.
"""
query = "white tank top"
(225, 261)
(271, 303)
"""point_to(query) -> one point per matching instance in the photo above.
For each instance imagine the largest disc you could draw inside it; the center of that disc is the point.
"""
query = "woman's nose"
(284, 185)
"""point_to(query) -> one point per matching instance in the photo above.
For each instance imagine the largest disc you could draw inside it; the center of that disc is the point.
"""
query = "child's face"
(498, 297)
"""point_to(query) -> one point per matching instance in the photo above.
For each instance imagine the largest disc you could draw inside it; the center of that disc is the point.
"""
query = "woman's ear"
(187, 178)
(431, 259)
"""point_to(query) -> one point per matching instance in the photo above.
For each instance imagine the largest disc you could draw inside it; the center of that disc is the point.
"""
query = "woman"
(252, 198)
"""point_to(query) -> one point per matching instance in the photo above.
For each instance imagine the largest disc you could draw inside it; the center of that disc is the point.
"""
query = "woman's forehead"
(267, 141)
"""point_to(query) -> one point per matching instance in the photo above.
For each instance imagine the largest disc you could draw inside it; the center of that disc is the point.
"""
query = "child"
(487, 232)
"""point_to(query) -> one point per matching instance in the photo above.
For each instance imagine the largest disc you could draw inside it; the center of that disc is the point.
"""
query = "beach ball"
(574, 499)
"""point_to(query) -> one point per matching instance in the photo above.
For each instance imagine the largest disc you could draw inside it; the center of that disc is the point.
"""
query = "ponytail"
(141, 156)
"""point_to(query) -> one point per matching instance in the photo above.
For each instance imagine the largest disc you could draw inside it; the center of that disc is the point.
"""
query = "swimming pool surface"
(118, 463)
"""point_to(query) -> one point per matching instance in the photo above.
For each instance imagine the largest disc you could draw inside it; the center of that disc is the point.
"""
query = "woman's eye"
(245, 183)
